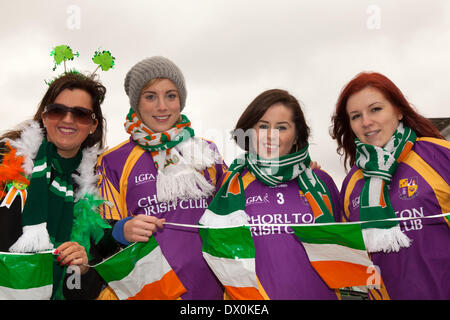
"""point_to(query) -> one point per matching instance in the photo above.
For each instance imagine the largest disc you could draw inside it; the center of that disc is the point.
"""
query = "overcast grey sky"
(229, 52)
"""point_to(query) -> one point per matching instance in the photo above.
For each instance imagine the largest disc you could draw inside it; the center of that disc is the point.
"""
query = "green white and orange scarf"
(178, 156)
(378, 166)
(230, 251)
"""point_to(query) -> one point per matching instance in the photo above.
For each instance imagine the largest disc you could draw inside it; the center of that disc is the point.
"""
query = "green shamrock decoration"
(62, 53)
(104, 59)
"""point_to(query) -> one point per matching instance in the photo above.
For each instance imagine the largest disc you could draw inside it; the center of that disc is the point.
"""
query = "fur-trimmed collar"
(28, 145)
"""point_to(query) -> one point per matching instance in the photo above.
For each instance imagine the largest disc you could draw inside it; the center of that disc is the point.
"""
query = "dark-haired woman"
(47, 166)
(399, 169)
(275, 181)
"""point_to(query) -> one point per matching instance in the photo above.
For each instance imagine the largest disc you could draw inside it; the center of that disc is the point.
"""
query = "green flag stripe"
(120, 265)
(228, 243)
(348, 235)
(19, 271)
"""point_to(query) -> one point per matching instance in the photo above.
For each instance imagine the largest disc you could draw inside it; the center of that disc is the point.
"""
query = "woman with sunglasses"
(163, 173)
(399, 169)
(48, 166)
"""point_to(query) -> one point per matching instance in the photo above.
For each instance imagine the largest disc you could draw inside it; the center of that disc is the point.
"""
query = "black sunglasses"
(56, 111)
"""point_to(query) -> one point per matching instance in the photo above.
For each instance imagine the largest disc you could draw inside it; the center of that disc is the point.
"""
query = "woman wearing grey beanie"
(163, 173)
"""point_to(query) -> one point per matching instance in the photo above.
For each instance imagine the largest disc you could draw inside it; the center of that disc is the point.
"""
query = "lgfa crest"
(408, 188)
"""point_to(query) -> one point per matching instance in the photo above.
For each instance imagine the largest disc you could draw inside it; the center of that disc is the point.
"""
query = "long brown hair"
(258, 107)
(73, 81)
(341, 130)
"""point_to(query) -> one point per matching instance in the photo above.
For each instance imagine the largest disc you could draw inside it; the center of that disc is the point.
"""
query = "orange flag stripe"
(168, 288)
(350, 274)
(243, 293)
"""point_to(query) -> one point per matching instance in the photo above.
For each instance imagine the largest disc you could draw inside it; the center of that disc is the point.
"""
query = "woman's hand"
(141, 228)
(72, 254)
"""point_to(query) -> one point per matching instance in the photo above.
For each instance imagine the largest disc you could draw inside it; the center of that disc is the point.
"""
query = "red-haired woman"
(399, 168)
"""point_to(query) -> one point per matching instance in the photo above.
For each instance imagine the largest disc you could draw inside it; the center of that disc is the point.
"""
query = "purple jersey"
(128, 179)
(419, 187)
(282, 265)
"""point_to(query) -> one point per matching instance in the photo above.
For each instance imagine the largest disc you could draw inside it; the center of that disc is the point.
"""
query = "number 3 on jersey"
(280, 198)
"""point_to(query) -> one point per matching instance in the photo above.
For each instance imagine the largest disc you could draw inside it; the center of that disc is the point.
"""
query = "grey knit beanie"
(148, 69)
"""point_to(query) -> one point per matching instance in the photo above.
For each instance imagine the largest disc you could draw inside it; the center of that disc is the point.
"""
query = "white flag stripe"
(149, 269)
(233, 273)
(41, 293)
(210, 219)
(335, 252)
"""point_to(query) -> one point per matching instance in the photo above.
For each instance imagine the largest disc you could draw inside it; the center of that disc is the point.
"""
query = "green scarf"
(296, 165)
(378, 165)
(230, 197)
(49, 205)
(47, 216)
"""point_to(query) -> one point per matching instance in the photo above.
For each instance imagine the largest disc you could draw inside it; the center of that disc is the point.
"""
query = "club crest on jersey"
(407, 188)
(355, 202)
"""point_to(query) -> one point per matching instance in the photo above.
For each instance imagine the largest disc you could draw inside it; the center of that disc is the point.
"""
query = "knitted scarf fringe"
(183, 181)
(386, 240)
(34, 238)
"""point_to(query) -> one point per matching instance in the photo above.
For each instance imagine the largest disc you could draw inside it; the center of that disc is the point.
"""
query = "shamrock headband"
(63, 53)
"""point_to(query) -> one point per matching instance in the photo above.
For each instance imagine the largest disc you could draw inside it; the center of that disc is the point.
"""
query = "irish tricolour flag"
(228, 245)
(230, 253)
(26, 276)
(337, 252)
(141, 272)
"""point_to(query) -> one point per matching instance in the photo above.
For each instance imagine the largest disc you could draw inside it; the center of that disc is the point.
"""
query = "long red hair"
(341, 130)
